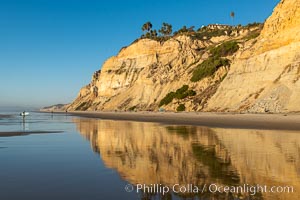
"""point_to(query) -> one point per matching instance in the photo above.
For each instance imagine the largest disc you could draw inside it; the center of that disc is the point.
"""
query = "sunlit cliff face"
(149, 153)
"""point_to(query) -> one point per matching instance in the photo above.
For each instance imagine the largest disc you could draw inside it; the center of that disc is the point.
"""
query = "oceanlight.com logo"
(208, 188)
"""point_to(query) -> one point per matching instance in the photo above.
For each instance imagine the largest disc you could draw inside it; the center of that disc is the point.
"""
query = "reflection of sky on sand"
(13, 122)
(150, 153)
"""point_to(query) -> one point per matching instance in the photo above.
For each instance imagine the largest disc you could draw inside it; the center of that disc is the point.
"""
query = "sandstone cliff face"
(57, 107)
(265, 77)
(282, 28)
(143, 73)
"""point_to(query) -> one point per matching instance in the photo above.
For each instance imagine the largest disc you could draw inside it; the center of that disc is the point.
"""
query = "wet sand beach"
(222, 120)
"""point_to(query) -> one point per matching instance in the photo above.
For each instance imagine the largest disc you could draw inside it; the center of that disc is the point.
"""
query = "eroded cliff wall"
(263, 76)
(144, 72)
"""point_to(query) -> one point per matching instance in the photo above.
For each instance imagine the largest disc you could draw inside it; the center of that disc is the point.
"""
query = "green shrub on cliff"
(167, 99)
(225, 49)
(209, 34)
(191, 93)
(208, 68)
(180, 108)
(253, 25)
(180, 93)
(133, 108)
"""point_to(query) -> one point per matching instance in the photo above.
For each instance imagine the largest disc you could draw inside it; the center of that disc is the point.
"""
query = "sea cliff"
(254, 68)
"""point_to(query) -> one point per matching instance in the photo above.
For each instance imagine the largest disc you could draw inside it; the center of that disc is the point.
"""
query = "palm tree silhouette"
(232, 16)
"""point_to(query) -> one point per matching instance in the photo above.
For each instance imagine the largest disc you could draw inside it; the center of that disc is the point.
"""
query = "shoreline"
(214, 120)
(24, 133)
(5, 116)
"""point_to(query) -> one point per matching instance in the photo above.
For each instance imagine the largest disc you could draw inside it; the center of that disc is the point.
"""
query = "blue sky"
(49, 49)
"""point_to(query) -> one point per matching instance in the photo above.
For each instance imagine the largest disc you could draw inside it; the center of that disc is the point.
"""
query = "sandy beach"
(220, 120)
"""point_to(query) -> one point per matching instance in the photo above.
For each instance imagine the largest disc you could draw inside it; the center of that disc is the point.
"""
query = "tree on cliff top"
(232, 15)
(166, 29)
(148, 32)
(147, 26)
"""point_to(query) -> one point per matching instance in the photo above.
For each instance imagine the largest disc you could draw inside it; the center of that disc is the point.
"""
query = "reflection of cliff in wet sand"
(148, 153)
(271, 157)
(143, 153)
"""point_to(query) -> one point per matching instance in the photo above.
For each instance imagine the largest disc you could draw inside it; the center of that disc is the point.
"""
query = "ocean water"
(90, 159)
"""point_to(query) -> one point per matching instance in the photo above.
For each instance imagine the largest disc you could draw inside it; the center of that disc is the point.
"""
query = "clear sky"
(49, 49)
